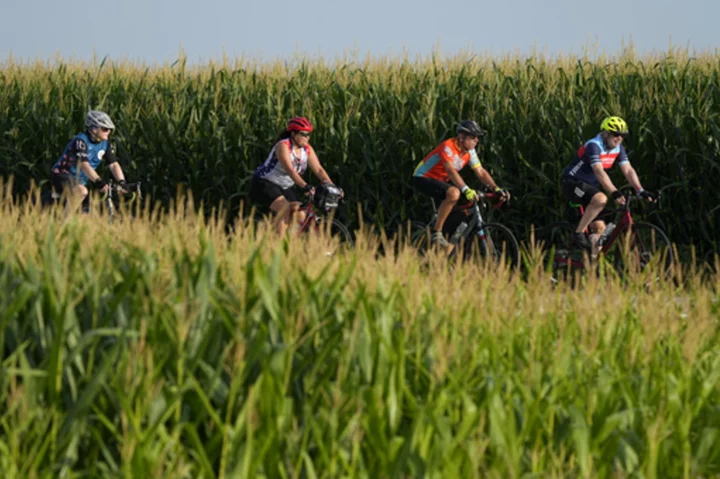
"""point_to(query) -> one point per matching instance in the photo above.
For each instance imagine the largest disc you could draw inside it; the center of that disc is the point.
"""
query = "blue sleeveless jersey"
(79, 148)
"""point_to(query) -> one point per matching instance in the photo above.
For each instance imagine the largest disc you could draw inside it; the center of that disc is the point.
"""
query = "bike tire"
(341, 232)
(498, 244)
(421, 236)
(562, 259)
(647, 244)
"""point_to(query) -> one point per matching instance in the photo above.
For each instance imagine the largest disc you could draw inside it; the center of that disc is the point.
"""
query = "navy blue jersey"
(80, 149)
(591, 153)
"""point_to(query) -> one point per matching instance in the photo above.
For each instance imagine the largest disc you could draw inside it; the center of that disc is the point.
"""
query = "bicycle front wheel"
(642, 246)
(341, 233)
(494, 242)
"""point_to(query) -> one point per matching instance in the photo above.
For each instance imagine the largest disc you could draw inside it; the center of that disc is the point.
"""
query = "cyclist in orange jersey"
(437, 174)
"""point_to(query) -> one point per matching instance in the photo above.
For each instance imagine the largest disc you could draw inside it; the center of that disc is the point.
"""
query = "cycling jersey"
(432, 166)
(594, 152)
(273, 171)
(80, 149)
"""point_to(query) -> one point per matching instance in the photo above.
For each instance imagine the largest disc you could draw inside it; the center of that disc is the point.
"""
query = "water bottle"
(458, 233)
(608, 229)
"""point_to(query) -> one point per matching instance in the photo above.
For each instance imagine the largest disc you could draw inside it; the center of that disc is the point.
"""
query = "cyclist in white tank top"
(273, 183)
(274, 171)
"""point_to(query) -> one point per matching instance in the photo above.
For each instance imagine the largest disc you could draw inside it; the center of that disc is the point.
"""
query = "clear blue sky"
(155, 31)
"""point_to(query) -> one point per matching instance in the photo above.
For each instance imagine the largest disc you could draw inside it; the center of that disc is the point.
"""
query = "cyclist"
(583, 178)
(272, 184)
(437, 174)
(83, 155)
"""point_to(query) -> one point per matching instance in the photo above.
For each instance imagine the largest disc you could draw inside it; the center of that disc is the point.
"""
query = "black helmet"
(470, 127)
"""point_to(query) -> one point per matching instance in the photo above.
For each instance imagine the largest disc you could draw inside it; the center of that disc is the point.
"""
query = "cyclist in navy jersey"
(273, 184)
(583, 179)
(82, 156)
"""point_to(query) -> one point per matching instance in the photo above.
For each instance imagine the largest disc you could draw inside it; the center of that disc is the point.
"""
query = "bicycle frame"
(311, 217)
(113, 188)
(476, 223)
(623, 221)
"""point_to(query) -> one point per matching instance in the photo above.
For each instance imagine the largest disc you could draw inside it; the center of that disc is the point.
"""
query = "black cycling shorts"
(263, 193)
(60, 180)
(578, 191)
(431, 187)
(435, 189)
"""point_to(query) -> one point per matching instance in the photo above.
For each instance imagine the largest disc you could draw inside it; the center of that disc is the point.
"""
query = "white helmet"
(98, 119)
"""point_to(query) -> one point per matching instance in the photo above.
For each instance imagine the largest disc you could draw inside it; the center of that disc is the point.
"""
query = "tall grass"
(208, 127)
(160, 347)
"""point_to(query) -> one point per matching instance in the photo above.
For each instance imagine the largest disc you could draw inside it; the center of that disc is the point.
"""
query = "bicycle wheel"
(421, 236)
(645, 245)
(497, 243)
(561, 258)
(340, 232)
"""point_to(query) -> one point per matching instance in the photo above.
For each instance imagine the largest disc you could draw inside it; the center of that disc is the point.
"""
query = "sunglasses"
(304, 134)
(617, 133)
(103, 129)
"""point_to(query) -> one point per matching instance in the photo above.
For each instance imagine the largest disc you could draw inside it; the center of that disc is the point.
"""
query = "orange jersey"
(433, 165)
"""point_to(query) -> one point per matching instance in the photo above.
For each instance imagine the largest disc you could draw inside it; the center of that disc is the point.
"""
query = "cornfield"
(157, 346)
(206, 128)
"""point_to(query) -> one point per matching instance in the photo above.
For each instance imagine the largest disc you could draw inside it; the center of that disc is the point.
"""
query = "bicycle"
(52, 198)
(470, 234)
(319, 209)
(625, 242)
(132, 189)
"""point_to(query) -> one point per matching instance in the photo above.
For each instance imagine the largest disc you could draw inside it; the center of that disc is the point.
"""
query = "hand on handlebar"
(469, 193)
(122, 187)
(619, 197)
(101, 186)
(650, 196)
(308, 189)
(504, 194)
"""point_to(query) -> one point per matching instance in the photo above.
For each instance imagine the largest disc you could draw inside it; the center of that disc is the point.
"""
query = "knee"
(600, 199)
(452, 194)
(82, 191)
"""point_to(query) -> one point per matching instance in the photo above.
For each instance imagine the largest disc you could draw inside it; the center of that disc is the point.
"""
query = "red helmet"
(299, 123)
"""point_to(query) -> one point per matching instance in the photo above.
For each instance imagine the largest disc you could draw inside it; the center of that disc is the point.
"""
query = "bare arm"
(603, 178)
(117, 171)
(631, 176)
(89, 172)
(485, 177)
(454, 175)
(316, 167)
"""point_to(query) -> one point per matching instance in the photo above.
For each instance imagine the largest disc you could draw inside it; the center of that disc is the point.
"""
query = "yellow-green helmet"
(614, 124)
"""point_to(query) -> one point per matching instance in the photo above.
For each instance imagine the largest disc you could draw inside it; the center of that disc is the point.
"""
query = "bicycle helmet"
(469, 127)
(614, 124)
(98, 119)
(299, 123)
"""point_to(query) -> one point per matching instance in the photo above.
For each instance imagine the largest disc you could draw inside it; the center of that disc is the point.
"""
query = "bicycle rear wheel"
(496, 243)
(421, 236)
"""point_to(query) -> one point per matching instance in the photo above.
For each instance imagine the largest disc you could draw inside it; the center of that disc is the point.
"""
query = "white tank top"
(273, 171)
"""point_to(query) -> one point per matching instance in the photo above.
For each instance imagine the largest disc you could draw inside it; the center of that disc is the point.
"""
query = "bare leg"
(596, 205)
(596, 228)
(451, 198)
(283, 213)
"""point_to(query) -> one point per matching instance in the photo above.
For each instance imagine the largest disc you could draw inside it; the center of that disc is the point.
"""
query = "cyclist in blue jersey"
(583, 179)
(82, 156)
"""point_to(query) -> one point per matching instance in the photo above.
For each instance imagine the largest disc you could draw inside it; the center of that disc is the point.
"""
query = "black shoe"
(581, 240)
